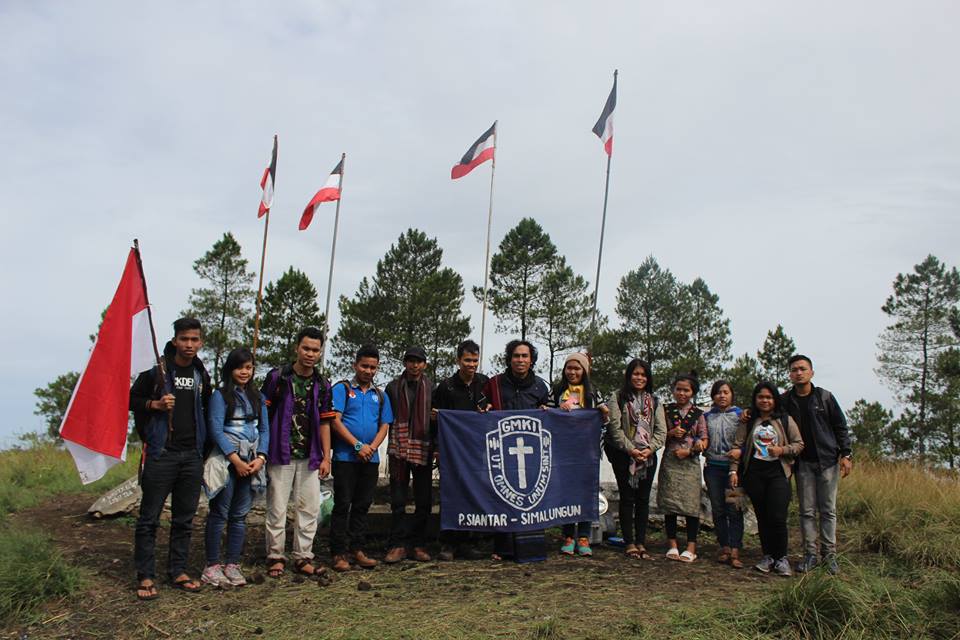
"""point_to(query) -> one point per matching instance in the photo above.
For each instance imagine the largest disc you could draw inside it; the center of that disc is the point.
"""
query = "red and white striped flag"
(478, 153)
(267, 182)
(329, 192)
(604, 126)
(94, 428)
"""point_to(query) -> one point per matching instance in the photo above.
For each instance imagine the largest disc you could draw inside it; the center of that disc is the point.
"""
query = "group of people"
(282, 439)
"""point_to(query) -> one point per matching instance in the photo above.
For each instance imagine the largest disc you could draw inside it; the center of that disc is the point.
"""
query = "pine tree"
(777, 349)
(871, 425)
(743, 375)
(411, 300)
(524, 257)
(289, 305)
(563, 312)
(922, 308)
(610, 355)
(53, 399)
(224, 306)
(945, 407)
(709, 330)
(651, 305)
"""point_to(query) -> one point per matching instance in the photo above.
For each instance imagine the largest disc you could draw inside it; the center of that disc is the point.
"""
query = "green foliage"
(563, 312)
(945, 406)
(743, 375)
(31, 571)
(923, 311)
(610, 354)
(223, 307)
(773, 356)
(52, 401)
(871, 426)
(524, 258)
(289, 304)
(709, 330)
(411, 300)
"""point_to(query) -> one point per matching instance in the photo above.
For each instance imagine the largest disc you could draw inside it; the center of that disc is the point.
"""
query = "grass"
(31, 572)
(30, 476)
(902, 511)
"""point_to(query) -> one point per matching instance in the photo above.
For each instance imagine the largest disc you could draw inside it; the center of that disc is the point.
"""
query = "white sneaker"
(765, 565)
(213, 575)
(233, 574)
(782, 567)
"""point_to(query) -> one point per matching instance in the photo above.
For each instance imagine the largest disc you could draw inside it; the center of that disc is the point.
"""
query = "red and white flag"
(329, 192)
(604, 126)
(267, 182)
(94, 427)
(478, 153)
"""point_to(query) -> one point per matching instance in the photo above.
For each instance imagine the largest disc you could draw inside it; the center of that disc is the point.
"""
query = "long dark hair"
(777, 404)
(563, 384)
(236, 359)
(627, 391)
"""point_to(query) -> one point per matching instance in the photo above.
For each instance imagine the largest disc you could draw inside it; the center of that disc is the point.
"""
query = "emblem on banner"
(518, 459)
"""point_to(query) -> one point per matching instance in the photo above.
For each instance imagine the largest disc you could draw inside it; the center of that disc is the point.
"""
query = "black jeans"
(769, 491)
(670, 526)
(410, 530)
(634, 501)
(176, 474)
(353, 487)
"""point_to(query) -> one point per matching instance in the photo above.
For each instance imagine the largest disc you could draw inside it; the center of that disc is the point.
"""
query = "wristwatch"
(358, 446)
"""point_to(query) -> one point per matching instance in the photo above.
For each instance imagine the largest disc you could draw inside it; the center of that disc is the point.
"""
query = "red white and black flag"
(604, 126)
(94, 427)
(478, 153)
(329, 192)
(267, 182)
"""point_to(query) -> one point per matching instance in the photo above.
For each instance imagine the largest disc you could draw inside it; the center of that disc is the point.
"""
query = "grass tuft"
(31, 571)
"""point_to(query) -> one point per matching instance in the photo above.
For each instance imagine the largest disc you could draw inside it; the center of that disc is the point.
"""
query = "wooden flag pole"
(486, 262)
(263, 261)
(603, 225)
(161, 365)
(333, 253)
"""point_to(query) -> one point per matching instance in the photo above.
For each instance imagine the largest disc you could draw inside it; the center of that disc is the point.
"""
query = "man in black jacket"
(518, 387)
(825, 459)
(463, 391)
(170, 414)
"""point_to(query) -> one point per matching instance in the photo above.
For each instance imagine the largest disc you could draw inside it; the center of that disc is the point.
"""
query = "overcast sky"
(797, 156)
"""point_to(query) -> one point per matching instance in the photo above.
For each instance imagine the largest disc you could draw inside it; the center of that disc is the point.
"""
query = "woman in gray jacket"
(636, 430)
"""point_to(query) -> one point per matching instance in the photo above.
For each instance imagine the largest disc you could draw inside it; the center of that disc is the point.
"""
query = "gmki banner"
(518, 470)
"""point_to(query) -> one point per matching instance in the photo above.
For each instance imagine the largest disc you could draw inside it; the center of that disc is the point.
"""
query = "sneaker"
(765, 565)
(213, 575)
(232, 573)
(583, 547)
(568, 547)
(831, 562)
(809, 563)
(782, 567)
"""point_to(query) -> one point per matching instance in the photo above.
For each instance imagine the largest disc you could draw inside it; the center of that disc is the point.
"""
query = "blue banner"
(518, 470)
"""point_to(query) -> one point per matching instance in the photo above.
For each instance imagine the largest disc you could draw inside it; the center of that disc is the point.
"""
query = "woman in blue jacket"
(234, 470)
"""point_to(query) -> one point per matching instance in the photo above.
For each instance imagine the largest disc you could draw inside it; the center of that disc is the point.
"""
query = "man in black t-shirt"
(169, 410)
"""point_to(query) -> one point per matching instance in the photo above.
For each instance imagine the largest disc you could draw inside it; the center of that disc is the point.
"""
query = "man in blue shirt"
(363, 416)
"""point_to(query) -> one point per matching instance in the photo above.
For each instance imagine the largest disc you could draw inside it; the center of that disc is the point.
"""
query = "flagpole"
(603, 226)
(263, 261)
(333, 253)
(161, 365)
(486, 262)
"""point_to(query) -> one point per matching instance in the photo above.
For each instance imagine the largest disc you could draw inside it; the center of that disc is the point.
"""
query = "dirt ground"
(599, 597)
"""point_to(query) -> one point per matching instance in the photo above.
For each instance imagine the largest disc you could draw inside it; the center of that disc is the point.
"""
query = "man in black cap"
(411, 448)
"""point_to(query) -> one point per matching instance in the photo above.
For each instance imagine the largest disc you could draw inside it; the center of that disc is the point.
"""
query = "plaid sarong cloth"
(410, 431)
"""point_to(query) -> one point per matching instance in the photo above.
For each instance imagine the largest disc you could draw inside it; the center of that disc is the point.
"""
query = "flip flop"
(643, 554)
(300, 565)
(151, 590)
(272, 571)
(188, 584)
(633, 553)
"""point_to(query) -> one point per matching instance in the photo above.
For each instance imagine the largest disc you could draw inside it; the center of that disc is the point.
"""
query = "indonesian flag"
(329, 192)
(267, 181)
(604, 126)
(94, 427)
(478, 153)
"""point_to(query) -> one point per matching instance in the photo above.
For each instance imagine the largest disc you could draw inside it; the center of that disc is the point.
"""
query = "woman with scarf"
(723, 419)
(678, 486)
(636, 430)
(234, 470)
(573, 392)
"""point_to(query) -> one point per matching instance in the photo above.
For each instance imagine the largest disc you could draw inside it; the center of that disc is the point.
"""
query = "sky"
(797, 156)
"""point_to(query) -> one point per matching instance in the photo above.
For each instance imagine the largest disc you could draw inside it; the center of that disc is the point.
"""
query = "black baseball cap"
(415, 353)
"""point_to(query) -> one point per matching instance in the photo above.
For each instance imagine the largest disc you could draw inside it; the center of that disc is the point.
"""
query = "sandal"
(633, 552)
(687, 556)
(673, 553)
(300, 566)
(735, 563)
(147, 590)
(277, 567)
(643, 554)
(186, 583)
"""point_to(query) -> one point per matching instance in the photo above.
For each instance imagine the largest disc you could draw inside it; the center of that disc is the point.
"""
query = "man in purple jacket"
(298, 400)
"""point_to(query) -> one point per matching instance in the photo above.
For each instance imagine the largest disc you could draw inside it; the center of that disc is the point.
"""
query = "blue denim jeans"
(727, 519)
(229, 508)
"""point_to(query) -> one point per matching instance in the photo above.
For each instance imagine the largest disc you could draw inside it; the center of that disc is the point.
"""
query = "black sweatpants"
(354, 484)
(409, 530)
(769, 491)
(634, 501)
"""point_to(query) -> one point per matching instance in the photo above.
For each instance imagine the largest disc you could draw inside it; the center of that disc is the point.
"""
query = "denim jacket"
(243, 425)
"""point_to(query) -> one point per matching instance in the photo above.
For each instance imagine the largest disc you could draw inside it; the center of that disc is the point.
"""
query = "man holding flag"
(169, 403)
